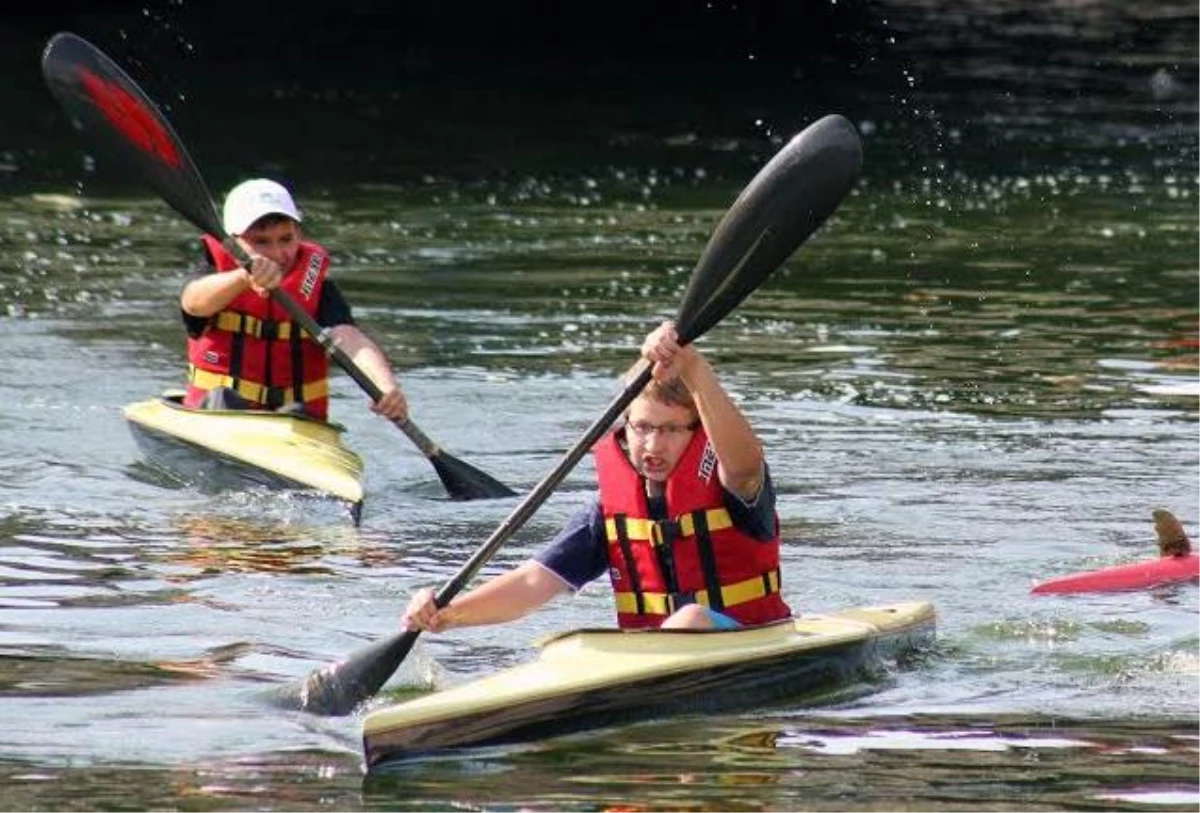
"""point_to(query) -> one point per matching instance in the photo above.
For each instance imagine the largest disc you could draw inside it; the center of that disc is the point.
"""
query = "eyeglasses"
(644, 429)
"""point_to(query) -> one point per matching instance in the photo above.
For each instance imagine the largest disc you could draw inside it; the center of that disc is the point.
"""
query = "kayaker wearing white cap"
(244, 351)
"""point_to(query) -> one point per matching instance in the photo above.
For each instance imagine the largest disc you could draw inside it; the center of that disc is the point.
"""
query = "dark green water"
(980, 374)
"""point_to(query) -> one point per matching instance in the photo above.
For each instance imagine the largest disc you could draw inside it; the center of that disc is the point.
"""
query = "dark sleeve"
(579, 553)
(194, 325)
(757, 518)
(333, 309)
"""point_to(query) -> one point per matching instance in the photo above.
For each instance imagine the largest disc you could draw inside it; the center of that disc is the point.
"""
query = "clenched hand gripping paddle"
(782, 206)
(103, 101)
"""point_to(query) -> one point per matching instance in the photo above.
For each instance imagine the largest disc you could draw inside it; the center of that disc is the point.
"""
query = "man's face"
(278, 240)
(658, 434)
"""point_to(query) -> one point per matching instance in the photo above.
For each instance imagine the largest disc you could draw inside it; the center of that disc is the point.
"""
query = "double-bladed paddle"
(105, 102)
(781, 207)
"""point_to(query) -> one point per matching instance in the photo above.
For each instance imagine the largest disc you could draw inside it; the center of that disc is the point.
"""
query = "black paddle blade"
(781, 207)
(102, 100)
(465, 482)
(338, 688)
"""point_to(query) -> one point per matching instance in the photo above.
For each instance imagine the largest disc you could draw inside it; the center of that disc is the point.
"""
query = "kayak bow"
(1134, 576)
(222, 449)
(1176, 564)
(598, 677)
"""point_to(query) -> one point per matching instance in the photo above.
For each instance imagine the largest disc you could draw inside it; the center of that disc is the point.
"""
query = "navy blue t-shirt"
(579, 553)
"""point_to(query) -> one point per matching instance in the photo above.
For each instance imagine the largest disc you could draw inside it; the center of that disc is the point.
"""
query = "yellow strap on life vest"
(641, 530)
(731, 595)
(206, 380)
(253, 326)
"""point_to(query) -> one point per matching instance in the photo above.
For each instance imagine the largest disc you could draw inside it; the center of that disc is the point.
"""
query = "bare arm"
(210, 294)
(506, 597)
(213, 292)
(368, 357)
(740, 462)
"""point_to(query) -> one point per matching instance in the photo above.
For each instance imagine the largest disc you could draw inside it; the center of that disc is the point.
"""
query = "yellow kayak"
(590, 678)
(237, 448)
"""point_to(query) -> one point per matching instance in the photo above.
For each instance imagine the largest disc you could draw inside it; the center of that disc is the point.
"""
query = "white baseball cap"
(250, 200)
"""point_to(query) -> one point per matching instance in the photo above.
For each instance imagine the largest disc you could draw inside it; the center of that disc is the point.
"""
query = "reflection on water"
(210, 544)
(816, 763)
(770, 763)
(286, 781)
(54, 672)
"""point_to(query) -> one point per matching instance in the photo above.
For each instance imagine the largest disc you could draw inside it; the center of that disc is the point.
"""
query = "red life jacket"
(253, 347)
(657, 566)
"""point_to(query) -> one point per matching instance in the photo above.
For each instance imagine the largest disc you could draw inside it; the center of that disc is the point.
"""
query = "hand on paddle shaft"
(106, 103)
(781, 207)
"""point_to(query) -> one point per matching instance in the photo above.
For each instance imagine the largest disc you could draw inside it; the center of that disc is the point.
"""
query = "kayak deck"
(221, 449)
(590, 678)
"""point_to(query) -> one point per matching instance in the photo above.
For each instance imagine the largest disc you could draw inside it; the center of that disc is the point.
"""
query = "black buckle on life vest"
(665, 532)
(275, 397)
(268, 330)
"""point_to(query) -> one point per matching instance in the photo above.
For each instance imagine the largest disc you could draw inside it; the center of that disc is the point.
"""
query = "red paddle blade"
(102, 100)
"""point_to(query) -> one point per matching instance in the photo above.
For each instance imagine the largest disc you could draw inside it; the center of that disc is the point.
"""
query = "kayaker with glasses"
(684, 522)
(244, 351)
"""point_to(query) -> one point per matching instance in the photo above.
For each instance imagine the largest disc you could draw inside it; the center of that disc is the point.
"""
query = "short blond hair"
(672, 392)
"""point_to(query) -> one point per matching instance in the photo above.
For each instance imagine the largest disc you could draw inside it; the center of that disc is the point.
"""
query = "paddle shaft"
(337, 690)
(324, 338)
(685, 327)
(521, 514)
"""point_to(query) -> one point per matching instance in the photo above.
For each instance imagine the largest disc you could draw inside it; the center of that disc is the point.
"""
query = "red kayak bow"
(1176, 564)
(1135, 576)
